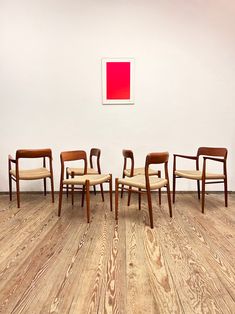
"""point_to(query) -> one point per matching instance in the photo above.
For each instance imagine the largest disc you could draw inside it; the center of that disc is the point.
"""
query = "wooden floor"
(51, 265)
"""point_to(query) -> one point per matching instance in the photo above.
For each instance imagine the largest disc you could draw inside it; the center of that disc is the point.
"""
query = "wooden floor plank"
(64, 265)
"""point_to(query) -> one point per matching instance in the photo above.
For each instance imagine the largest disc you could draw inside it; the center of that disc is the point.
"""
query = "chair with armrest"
(145, 183)
(209, 154)
(94, 153)
(132, 171)
(84, 180)
(18, 174)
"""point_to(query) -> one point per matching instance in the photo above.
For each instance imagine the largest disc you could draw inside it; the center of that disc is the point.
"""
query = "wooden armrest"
(214, 159)
(11, 159)
(185, 156)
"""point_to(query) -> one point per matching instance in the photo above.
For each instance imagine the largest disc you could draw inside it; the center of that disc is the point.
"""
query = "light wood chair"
(18, 174)
(145, 183)
(94, 153)
(132, 171)
(209, 154)
(85, 180)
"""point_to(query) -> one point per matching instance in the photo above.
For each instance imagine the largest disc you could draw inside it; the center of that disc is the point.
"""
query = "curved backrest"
(95, 152)
(212, 151)
(73, 155)
(33, 153)
(157, 158)
(128, 154)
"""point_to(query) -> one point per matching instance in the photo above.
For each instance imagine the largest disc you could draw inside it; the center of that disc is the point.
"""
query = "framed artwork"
(117, 81)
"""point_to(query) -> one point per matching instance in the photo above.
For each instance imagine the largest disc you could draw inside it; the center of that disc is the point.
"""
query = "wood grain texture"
(64, 265)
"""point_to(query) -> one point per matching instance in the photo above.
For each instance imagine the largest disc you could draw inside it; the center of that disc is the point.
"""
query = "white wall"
(50, 78)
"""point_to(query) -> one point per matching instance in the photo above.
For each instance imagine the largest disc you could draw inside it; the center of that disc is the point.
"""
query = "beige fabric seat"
(80, 171)
(32, 174)
(139, 181)
(139, 171)
(93, 179)
(197, 175)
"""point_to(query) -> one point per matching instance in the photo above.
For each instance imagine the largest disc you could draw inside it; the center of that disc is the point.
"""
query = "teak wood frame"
(73, 156)
(29, 153)
(152, 158)
(208, 153)
(128, 155)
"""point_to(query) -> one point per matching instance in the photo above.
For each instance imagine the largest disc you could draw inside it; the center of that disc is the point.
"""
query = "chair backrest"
(33, 153)
(128, 154)
(212, 151)
(95, 152)
(73, 156)
(156, 158)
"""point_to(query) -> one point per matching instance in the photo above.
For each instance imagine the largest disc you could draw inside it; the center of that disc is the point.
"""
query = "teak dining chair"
(132, 171)
(145, 183)
(18, 174)
(94, 153)
(209, 154)
(85, 180)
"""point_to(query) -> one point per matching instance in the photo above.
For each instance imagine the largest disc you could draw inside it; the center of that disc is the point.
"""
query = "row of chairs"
(140, 180)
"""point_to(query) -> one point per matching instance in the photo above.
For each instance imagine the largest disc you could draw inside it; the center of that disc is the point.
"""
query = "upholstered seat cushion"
(32, 174)
(80, 171)
(139, 182)
(197, 175)
(93, 179)
(138, 171)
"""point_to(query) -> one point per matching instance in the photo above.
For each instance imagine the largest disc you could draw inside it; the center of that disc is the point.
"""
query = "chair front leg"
(18, 192)
(60, 199)
(203, 194)
(198, 189)
(10, 187)
(139, 197)
(129, 196)
(116, 198)
(169, 198)
(174, 185)
(87, 184)
(67, 187)
(226, 192)
(52, 190)
(83, 195)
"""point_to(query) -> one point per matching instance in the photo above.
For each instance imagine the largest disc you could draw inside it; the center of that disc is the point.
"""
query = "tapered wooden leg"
(169, 198)
(139, 199)
(18, 193)
(203, 195)
(129, 196)
(52, 190)
(88, 200)
(150, 208)
(116, 198)
(159, 197)
(45, 186)
(122, 190)
(72, 194)
(225, 192)
(102, 192)
(174, 184)
(111, 192)
(10, 187)
(198, 189)
(60, 199)
(67, 187)
(83, 195)
(94, 188)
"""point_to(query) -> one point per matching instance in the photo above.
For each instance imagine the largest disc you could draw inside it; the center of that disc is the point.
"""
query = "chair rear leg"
(159, 197)
(139, 197)
(18, 193)
(60, 200)
(111, 192)
(67, 187)
(174, 185)
(116, 199)
(52, 190)
(72, 194)
(88, 201)
(83, 195)
(203, 195)
(225, 192)
(122, 190)
(129, 196)
(45, 186)
(198, 189)
(94, 188)
(150, 208)
(102, 192)
(10, 187)
(169, 199)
